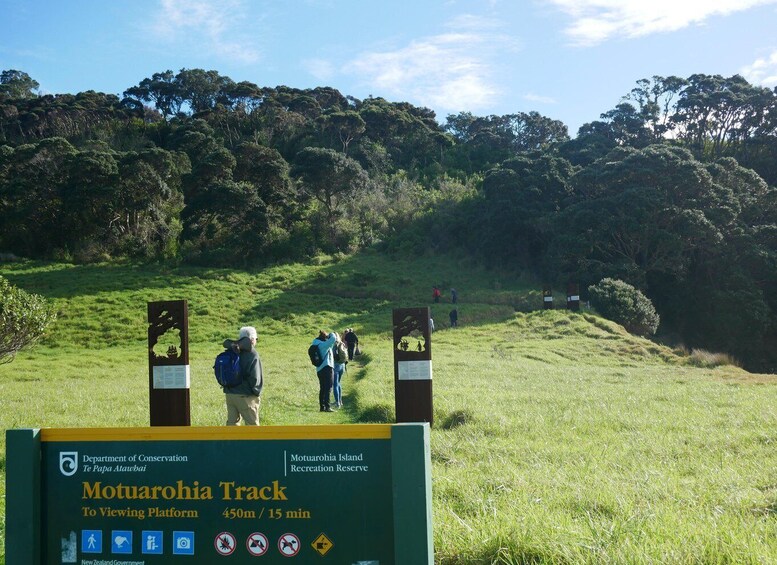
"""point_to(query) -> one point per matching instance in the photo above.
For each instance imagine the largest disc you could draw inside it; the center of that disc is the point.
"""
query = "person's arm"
(254, 375)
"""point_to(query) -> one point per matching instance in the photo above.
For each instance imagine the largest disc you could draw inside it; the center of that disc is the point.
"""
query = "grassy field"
(558, 437)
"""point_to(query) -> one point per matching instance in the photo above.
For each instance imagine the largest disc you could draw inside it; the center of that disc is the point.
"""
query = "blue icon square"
(183, 543)
(121, 541)
(151, 542)
(91, 541)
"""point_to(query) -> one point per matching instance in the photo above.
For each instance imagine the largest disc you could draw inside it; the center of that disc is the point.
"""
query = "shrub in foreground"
(622, 303)
(23, 319)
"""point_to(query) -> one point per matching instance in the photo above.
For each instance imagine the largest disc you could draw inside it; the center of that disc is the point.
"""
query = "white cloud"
(762, 71)
(595, 21)
(211, 25)
(321, 69)
(449, 72)
(531, 97)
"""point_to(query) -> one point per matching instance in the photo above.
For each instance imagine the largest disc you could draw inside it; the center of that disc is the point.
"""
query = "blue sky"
(567, 59)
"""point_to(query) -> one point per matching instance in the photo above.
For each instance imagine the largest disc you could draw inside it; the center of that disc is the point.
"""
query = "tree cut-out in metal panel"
(411, 333)
(166, 332)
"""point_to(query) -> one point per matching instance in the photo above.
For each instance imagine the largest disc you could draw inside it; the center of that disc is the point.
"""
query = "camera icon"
(183, 543)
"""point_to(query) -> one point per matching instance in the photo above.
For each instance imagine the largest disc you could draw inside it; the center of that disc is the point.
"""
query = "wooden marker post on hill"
(168, 363)
(547, 298)
(412, 365)
(573, 297)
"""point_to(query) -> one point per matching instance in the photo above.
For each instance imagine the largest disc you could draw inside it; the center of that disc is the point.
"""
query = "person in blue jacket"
(325, 372)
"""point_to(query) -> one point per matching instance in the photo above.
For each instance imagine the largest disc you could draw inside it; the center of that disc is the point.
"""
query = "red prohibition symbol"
(225, 543)
(288, 545)
(257, 544)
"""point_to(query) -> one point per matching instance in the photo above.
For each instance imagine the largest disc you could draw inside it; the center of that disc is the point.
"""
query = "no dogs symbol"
(288, 545)
(257, 544)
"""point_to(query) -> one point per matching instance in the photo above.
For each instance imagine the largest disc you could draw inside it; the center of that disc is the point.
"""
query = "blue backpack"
(227, 368)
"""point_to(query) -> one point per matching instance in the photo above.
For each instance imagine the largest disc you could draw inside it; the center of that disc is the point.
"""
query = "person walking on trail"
(244, 399)
(340, 353)
(454, 296)
(454, 316)
(435, 294)
(325, 371)
(351, 341)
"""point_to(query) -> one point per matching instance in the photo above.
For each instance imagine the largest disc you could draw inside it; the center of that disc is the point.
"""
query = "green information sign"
(332, 494)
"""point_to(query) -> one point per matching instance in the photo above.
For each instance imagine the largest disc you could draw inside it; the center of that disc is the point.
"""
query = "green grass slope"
(558, 437)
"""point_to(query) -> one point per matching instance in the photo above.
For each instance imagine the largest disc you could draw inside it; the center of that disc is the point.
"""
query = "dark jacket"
(351, 339)
(250, 368)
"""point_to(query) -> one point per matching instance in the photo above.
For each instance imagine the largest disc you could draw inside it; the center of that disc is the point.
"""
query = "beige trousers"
(242, 406)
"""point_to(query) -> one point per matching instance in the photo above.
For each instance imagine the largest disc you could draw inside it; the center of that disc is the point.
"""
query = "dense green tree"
(643, 211)
(521, 199)
(31, 196)
(344, 126)
(406, 132)
(715, 111)
(18, 84)
(268, 171)
(202, 90)
(162, 89)
(330, 178)
(656, 102)
(89, 198)
(593, 141)
(145, 221)
(225, 223)
(629, 127)
(488, 141)
(330, 99)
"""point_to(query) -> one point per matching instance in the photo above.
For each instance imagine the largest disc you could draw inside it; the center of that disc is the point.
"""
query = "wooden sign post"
(412, 365)
(547, 298)
(573, 296)
(168, 363)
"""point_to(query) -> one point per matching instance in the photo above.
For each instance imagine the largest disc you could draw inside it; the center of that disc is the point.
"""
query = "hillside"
(672, 191)
(558, 437)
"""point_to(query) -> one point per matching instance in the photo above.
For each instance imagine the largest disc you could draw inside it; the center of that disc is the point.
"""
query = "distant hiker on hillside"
(351, 341)
(454, 316)
(244, 399)
(431, 323)
(454, 296)
(435, 294)
(340, 353)
(325, 369)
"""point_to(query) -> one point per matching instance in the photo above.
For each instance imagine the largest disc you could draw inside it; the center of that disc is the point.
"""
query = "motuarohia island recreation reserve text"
(326, 458)
(322, 463)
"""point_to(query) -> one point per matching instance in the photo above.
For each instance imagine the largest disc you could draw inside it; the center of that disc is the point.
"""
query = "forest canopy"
(672, 191)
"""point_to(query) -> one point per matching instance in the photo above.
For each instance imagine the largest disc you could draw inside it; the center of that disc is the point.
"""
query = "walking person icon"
(91, 541)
